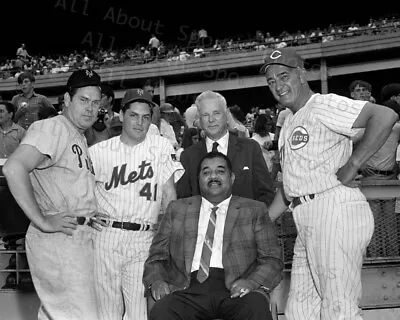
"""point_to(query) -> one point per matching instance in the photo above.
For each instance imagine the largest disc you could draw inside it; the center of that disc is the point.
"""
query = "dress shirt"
(205, 212)
(222, 144)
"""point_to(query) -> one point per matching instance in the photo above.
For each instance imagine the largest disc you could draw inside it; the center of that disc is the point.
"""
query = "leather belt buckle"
(123, 226)
(106, 221)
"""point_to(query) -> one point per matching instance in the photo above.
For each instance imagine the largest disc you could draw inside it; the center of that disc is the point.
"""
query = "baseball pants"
(119, 262)
(333, 232)
(62, 272)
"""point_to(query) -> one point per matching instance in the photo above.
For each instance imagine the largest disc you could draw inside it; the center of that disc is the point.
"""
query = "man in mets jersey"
(134, 175)
(320, 179)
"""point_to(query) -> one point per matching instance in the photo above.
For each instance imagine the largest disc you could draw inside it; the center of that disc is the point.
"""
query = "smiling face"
(136, 121)
(213, 118)
(287, 85)
(215, 180)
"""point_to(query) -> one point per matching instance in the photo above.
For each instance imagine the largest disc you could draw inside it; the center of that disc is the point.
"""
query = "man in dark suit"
(252, 178)
(214, 255)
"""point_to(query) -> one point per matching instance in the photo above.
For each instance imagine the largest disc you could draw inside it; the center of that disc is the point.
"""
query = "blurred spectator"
(264, 137)
(360, 90)
(173, 118)
(11, 133)
(236, 120)
(28, 103)
(101, 130)
(190, 137)
(46, 112)
(190, 116)
(22, 53)
(60, 105)
(154, 44)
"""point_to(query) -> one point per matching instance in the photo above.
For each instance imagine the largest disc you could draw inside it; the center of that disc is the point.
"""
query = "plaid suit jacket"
(250, 247)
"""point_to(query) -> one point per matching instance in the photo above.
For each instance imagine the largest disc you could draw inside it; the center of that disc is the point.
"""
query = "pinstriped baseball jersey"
(314, 143)
(129, 180)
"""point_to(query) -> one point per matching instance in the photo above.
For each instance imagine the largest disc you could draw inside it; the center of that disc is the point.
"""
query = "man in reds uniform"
(51, 177)
(332, 216)
(134, 176)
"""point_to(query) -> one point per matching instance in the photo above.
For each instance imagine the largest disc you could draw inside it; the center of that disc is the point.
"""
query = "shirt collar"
(13, 127)
(30, 96)
(222, 206)
(222, 142)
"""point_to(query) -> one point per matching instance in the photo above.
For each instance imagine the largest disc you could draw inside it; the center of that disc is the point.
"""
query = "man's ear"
(303, 75)
(352, 94)
(121, 116)
(67, 99)
(232, 178)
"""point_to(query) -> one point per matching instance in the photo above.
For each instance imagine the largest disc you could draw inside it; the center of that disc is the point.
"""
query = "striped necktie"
(214, 147)
(204, 268)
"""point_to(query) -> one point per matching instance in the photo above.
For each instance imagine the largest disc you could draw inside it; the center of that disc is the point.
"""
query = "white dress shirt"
(205, 212)
(222, 144)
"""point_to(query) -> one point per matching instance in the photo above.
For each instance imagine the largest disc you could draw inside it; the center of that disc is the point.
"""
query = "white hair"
(210, 95)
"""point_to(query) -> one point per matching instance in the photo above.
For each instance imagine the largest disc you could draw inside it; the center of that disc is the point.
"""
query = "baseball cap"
(167, 108)
(83, 78)
(285, 56)
(137, 94)
(392, 89)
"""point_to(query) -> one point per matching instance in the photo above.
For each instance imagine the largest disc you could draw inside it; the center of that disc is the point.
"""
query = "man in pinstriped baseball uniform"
(333, 218)
(134, 175)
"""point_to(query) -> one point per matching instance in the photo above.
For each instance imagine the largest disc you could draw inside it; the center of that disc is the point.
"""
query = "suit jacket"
(252, 177)
(250, 247)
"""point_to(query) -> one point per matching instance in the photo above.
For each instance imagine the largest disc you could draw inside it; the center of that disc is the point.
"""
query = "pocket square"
(246, 168)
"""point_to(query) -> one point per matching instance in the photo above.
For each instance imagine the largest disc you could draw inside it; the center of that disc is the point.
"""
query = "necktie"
(214, 147)
(204, 268)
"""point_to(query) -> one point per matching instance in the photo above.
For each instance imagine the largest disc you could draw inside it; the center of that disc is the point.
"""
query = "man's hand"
(60, 222)
(242, 287)
(159, 289)
(96, 220)
(348, 175)
(23, 108)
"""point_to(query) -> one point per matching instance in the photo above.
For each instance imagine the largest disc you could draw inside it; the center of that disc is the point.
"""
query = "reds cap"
(132, 95)
(83, 78)
(285, 56)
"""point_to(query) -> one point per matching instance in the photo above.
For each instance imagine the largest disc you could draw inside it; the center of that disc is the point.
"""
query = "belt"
(383, 172)
(131, 226)
(299, 200)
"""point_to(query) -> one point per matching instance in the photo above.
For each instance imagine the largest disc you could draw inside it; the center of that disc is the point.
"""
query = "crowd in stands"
(200, 44)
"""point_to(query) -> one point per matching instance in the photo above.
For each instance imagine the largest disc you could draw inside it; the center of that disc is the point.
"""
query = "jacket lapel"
(231, 216)
(191, 228)
(232, 147)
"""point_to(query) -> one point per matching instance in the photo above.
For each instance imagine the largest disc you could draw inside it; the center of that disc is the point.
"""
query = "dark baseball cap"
(390, 90)
(285, 56)
(83, 78)
(137, 94)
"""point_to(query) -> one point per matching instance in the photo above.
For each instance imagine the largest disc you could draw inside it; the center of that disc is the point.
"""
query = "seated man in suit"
(252, 177)
(214, 255)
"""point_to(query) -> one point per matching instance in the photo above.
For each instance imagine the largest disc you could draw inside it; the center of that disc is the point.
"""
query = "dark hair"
(260, 126)
(127, 105)
(213, 155)
(25, 75)
(188, 133)
(47, 112)
(238, 113)
(9, 106)
(360, 83)
(108, 91)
